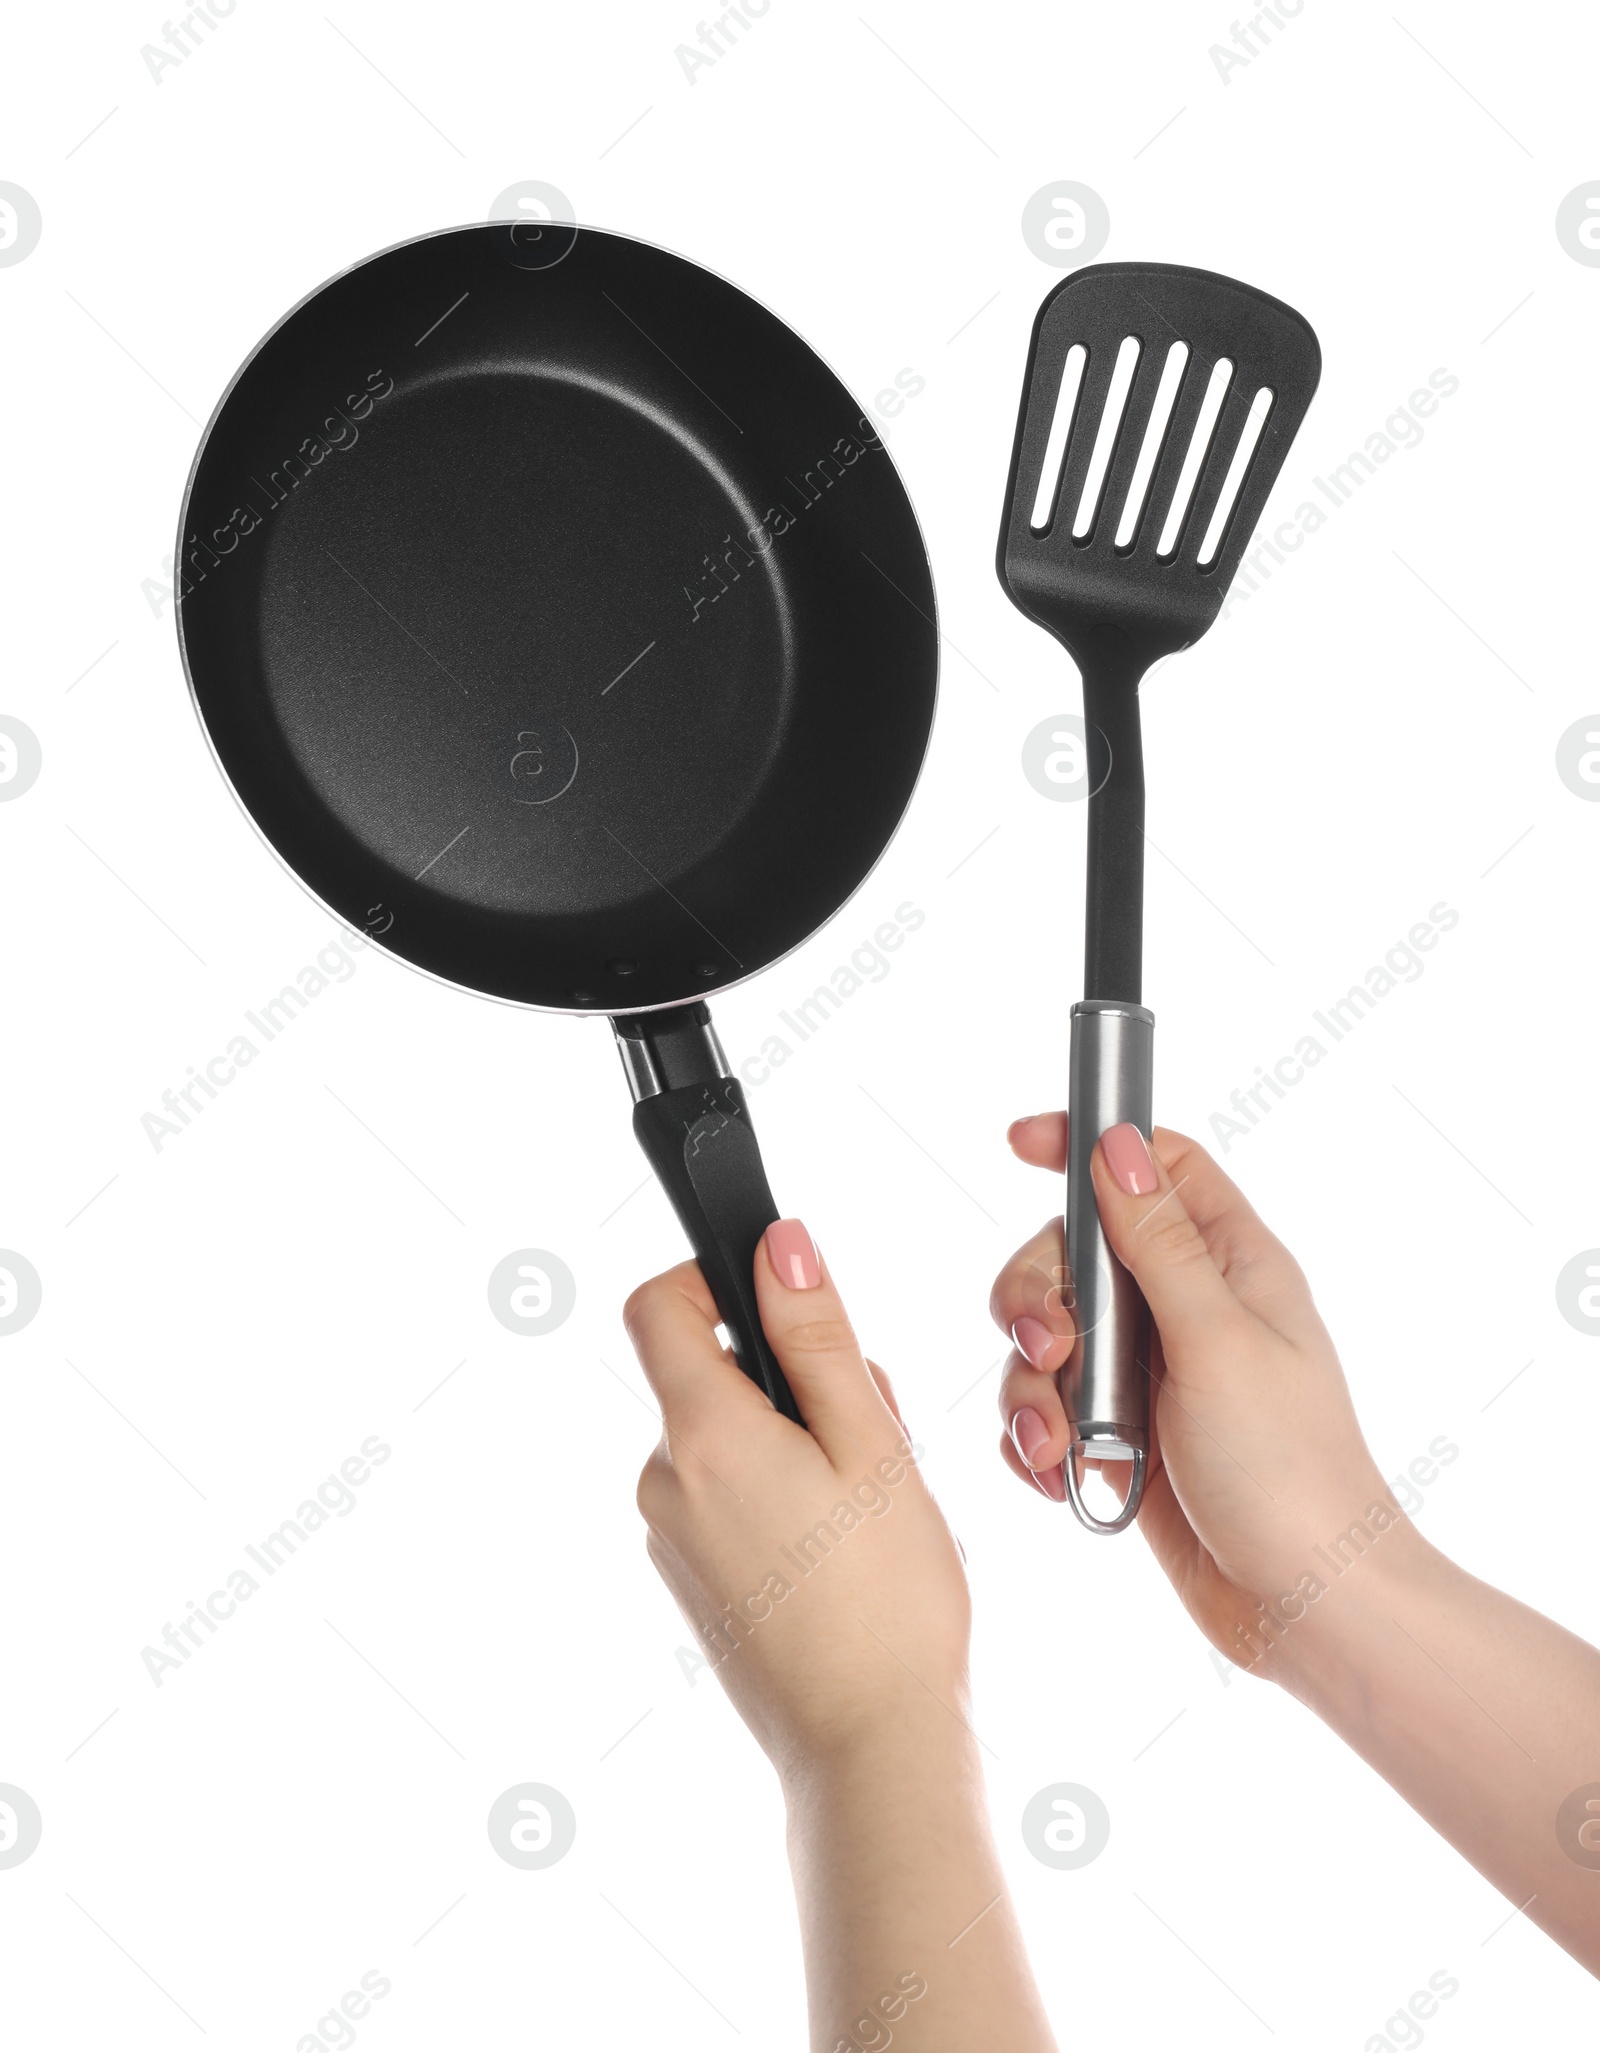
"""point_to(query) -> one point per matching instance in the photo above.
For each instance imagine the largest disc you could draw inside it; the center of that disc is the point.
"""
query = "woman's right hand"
(1280, 1535)
(1256, 1457)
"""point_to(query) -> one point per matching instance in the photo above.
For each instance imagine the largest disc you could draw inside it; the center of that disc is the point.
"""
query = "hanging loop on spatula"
(1093, 1450)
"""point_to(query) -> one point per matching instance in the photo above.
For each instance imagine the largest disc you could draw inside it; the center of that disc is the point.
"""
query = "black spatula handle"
(691, 1120)
(1113, 927)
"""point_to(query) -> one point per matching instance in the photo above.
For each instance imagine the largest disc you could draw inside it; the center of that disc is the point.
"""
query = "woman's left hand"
(814, 1566)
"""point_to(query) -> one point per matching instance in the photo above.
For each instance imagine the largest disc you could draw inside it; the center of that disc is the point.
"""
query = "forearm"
(1482, 1713)
(909, 1933)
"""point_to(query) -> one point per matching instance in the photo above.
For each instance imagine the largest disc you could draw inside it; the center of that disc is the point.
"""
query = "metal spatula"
(1158, 408)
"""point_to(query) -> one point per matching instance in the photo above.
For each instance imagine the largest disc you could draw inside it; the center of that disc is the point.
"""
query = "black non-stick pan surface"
(560, 619)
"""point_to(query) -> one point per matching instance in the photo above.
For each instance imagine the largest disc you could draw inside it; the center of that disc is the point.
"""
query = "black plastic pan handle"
(692, 1121)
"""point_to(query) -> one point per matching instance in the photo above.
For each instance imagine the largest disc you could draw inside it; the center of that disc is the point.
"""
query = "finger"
(1170, 1537)
(886, 1392)
(1153, 1235)
(1029, 1299)
(1035, 1418)
(810, 1333)
(1040, 1139)
(1048, 1484)
(672, 1322)
(1258, 1267)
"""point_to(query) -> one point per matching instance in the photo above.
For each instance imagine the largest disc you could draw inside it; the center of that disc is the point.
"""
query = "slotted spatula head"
(1131, 497)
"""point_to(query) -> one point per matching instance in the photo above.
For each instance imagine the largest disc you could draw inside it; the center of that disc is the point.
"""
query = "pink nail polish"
(1053, 1484)
(1128, 1159)
(1031, 1435)
(793, 1254)
(1033, 1340)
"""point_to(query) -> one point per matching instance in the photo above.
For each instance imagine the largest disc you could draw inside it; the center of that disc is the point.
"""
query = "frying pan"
(562, 623)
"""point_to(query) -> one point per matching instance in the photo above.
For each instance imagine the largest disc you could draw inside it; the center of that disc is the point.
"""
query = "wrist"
(903, 1752)
(1329, 1654)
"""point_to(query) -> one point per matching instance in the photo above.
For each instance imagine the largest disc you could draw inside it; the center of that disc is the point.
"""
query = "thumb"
(1153, 1236)
(810, 1333)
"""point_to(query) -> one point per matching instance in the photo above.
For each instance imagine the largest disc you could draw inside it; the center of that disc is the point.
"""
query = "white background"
(1369, 734)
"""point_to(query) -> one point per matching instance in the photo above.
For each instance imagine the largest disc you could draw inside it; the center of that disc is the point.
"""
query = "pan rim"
(283, 862)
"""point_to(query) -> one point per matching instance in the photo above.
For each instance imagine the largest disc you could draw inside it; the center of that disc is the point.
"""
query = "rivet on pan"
(706, 969)
(620, 966)
(581, 997)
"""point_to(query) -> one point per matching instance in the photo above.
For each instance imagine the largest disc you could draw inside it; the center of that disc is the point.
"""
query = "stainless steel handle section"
(1105, 1385)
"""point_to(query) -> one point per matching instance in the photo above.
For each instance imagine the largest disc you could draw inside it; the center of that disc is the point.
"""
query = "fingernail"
(1128, 1158)
(793, 1254)
(1053, 1484)
(1031, 1435)
(1033, 1340)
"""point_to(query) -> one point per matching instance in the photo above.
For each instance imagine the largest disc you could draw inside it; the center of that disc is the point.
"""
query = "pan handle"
(691, 1119)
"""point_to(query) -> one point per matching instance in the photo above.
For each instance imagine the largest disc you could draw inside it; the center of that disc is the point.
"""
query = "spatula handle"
(1106, 1384)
